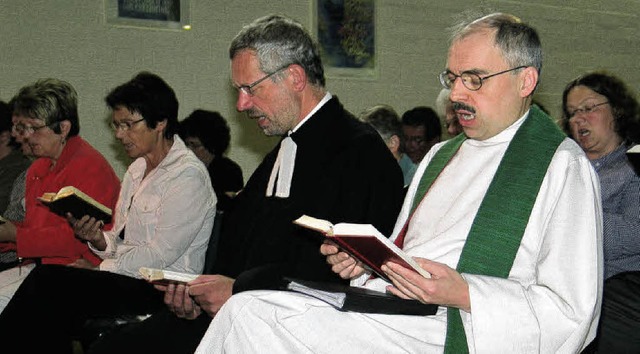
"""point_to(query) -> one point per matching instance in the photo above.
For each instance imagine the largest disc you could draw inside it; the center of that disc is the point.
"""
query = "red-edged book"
(363, 242)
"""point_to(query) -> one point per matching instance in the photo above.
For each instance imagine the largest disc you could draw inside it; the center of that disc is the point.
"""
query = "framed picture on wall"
(345, 30)
(158, 14)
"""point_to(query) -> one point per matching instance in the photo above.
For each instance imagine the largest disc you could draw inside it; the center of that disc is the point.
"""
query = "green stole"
(503, 215)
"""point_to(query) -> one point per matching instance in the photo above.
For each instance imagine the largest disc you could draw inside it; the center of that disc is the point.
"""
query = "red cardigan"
(46, 235)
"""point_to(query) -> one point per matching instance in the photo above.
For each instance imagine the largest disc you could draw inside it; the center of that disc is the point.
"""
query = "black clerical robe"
(343, 173)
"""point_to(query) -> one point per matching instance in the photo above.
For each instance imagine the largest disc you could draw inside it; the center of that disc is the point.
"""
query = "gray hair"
(384, 120)
(518, 41)
(441, 102)
(280, 41)
(50, 100)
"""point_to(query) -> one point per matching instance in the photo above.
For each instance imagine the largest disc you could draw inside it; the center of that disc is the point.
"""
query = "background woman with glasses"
(602, 114)
(46, 118)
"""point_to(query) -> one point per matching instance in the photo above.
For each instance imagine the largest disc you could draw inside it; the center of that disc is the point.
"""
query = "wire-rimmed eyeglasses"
(585, 110)
(248, 89)
(470, 80)
(23, 129)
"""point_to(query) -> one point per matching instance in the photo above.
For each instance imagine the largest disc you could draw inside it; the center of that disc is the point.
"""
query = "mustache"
(253, 112)
(461, 106)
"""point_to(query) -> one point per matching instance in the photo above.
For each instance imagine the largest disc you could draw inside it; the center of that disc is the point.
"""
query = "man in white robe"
(550, 300)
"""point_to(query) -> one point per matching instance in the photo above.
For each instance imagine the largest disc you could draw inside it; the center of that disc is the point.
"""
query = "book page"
(335, 299)
(312, 223)
(71, 190)
(158, 275)
(358, 230)
(47, 197)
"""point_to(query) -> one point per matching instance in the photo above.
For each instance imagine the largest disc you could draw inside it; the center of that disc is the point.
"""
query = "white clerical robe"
(550, 302)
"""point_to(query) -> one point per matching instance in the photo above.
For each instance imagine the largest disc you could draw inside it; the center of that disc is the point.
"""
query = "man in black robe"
(327, 165)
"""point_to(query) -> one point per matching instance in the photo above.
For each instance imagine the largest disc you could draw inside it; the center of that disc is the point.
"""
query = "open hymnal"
(363, 242)
(70, 199)
(163, 277)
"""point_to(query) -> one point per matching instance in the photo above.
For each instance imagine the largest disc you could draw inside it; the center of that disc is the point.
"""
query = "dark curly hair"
(208, 126)
(150, 96)
(424, 116)
(623, 103)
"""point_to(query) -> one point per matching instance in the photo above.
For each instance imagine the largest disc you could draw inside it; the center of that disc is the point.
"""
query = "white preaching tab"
(282, 172)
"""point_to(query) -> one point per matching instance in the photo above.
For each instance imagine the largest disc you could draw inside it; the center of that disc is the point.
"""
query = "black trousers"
(161, 333)
(54, 302)
(619, 329)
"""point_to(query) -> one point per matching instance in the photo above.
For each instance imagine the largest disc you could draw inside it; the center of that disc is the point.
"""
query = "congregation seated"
(326, 177)
(163, 219)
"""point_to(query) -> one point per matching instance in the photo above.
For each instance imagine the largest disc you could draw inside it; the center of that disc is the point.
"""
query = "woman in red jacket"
(46, 117)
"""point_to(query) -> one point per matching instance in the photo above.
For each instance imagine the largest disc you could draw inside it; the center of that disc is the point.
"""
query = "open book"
(356, 299)
(70, 199)
(633, 155)
(363, 242)
(164, 277)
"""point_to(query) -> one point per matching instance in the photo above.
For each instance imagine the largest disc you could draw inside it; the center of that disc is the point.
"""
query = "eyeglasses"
(470, 80)
(124, 126)
(23, 129)
(248, 89)
(586, 109)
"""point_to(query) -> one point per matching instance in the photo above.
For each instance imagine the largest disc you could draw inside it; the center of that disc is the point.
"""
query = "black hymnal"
(69, 199)
(355, 299)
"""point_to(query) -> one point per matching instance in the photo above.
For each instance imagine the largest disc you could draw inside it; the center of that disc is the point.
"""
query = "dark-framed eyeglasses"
(23, 129)
(470, 80)
(124, 126)
(248, 89)
(585, 110)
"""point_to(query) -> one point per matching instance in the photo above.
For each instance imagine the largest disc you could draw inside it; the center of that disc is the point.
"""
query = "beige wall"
(69, 39)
